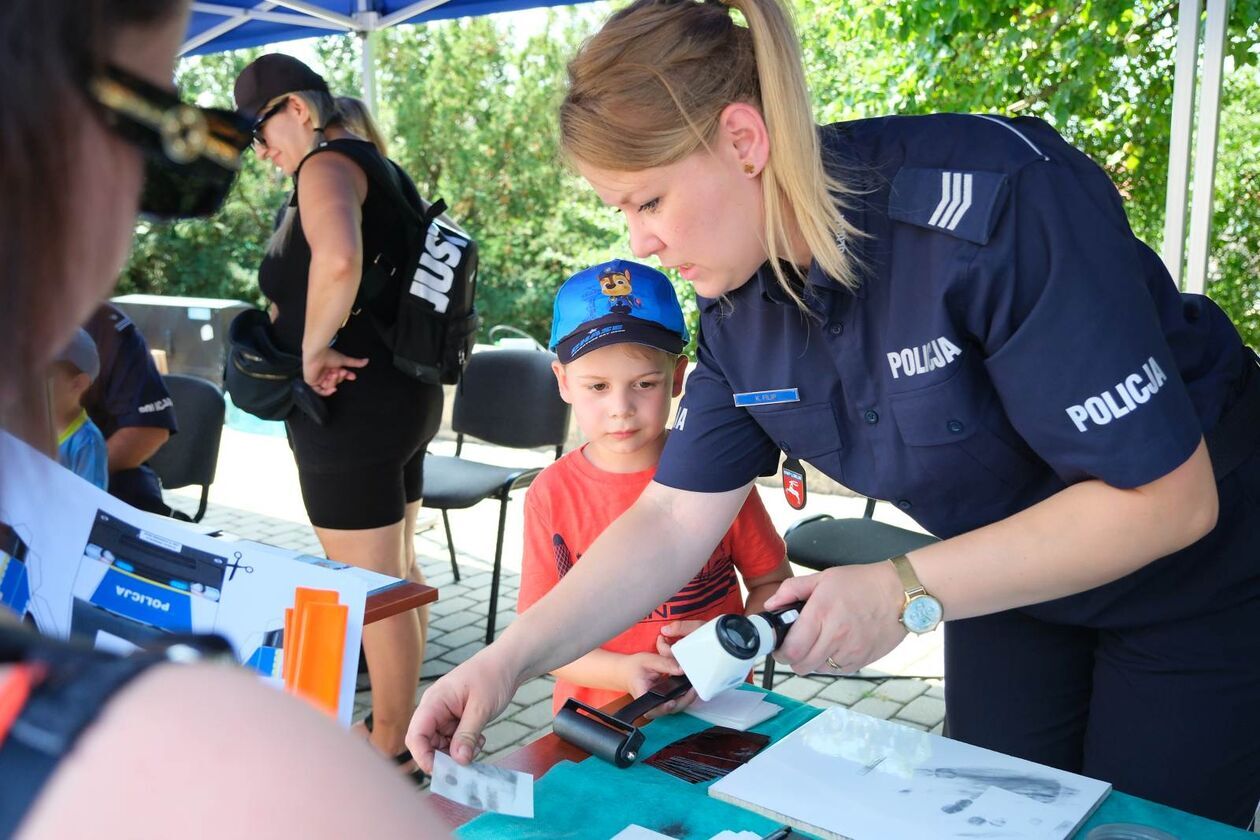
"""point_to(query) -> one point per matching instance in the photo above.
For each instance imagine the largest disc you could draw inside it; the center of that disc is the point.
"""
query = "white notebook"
(847, 775)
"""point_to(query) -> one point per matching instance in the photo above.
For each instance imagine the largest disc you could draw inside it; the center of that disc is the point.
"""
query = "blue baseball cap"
(613, 303)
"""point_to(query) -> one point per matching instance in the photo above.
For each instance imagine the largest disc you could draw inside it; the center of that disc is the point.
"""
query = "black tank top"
(284, 277)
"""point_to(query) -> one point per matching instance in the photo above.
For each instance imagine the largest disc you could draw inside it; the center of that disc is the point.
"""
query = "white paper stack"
(638, 832)
(735, 709)
(847, 775)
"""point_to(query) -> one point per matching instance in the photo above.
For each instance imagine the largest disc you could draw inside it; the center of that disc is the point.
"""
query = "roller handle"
(659, 693)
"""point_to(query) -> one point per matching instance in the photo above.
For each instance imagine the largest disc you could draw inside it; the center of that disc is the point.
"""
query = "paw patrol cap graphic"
(615, 302)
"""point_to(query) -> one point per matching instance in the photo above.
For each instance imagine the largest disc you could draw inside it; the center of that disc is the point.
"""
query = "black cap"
(270, 76)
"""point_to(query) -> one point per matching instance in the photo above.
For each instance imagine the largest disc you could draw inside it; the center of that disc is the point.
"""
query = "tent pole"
(1182, 131)
(368, 21)
(368, 71)
(1205, 146)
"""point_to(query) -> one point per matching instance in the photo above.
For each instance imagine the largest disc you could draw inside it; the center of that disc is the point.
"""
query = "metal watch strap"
(909, 580)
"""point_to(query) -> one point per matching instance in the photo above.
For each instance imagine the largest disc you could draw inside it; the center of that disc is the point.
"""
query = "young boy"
(80, 445)
(618, 332)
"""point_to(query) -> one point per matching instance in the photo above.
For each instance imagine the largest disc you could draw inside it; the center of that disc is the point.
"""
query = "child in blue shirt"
(80, 445)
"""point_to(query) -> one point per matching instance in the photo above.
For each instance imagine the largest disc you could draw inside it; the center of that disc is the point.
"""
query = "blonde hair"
(324, 112)
(357, 119)
(649, 89)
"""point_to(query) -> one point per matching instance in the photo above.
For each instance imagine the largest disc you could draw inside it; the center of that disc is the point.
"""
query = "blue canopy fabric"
(232, 24)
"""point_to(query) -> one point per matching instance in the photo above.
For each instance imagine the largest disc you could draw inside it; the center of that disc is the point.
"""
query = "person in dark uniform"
(361, 473)
(951, 313)
(131, 406)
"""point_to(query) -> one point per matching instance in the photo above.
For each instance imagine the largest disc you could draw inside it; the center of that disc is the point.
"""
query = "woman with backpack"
(361, 472)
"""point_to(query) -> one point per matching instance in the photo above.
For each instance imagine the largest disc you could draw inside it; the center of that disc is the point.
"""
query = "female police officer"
(950, 312)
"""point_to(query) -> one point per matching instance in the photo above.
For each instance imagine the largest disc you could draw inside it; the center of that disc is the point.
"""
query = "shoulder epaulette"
(955, 202)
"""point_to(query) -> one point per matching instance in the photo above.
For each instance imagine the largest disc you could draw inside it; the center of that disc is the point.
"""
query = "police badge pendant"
(794, 483)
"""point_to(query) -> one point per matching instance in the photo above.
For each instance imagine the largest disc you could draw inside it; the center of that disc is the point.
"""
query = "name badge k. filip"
(748, 399)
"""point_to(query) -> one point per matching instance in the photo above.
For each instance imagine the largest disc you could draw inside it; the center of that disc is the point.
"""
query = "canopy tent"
(232, 24)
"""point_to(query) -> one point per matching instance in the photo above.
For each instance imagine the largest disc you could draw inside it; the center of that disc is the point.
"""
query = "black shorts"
(363, 468)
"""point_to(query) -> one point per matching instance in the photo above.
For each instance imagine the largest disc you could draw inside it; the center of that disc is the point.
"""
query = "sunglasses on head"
(256, 131)
(191, 154)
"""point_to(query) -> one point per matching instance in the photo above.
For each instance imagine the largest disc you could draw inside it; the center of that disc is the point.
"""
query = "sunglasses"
(256, 131)
(191, 154)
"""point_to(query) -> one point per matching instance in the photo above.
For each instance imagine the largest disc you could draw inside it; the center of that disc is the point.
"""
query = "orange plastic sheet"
(314, 647)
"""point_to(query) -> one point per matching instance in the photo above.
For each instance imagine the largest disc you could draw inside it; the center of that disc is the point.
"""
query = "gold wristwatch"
(921, 612)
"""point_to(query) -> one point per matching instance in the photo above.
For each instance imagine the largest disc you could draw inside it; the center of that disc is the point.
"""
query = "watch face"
(922, 614)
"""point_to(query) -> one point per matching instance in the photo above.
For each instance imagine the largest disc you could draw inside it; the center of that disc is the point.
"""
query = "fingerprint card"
(483, 786)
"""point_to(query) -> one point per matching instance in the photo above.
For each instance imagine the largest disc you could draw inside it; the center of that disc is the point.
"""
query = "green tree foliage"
(1099, 71)
(215, 257)
(470, 111)
(472, 116)
(1235, 264)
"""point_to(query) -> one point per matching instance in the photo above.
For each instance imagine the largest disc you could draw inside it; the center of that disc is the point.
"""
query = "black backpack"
(421, 300)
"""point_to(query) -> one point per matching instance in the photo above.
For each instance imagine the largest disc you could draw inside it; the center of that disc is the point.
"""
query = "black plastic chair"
(823, 542)
(506, 398)
(192, 453)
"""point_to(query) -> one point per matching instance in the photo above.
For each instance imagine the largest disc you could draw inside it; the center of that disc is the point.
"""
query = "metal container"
(191, 332)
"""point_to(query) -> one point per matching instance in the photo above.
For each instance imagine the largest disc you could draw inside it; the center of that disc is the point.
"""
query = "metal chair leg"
(201, 508)
(494, 575)
(767, 673)
(450, 544)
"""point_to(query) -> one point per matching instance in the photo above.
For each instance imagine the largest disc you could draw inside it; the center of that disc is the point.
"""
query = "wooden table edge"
(397, 599)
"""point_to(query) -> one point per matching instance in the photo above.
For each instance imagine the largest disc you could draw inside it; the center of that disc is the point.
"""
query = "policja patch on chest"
(954, 202)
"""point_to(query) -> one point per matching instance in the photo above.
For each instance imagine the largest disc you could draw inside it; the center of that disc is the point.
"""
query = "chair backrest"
(509, 398)
(192, 453)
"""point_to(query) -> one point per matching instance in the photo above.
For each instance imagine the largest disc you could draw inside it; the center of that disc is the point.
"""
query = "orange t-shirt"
(573, 501)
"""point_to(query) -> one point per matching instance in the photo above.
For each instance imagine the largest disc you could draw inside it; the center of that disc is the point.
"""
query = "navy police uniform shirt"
(1010, 336)
(129, 391)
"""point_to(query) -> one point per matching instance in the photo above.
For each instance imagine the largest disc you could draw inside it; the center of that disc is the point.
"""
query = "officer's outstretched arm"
(642, 559)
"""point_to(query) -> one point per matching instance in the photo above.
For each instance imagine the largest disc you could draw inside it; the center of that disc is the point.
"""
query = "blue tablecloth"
(594, 799)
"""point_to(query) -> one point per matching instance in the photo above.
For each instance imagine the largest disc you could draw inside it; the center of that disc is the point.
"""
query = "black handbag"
(264, 380)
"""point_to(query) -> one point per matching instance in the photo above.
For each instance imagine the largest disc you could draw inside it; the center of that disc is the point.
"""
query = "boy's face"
(67, 386)
(621, 397)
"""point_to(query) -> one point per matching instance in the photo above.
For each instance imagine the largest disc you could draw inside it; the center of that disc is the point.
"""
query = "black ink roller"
(614, 738)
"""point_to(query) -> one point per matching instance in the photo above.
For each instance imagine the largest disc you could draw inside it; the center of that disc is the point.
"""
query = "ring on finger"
(833, 665)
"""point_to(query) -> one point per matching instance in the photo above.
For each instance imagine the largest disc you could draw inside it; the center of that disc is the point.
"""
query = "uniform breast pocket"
(802, 430)
(958, 432)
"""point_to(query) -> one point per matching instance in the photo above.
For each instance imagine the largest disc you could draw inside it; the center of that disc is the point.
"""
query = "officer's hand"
(326, 368)
(457, 707)
(852, 614)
